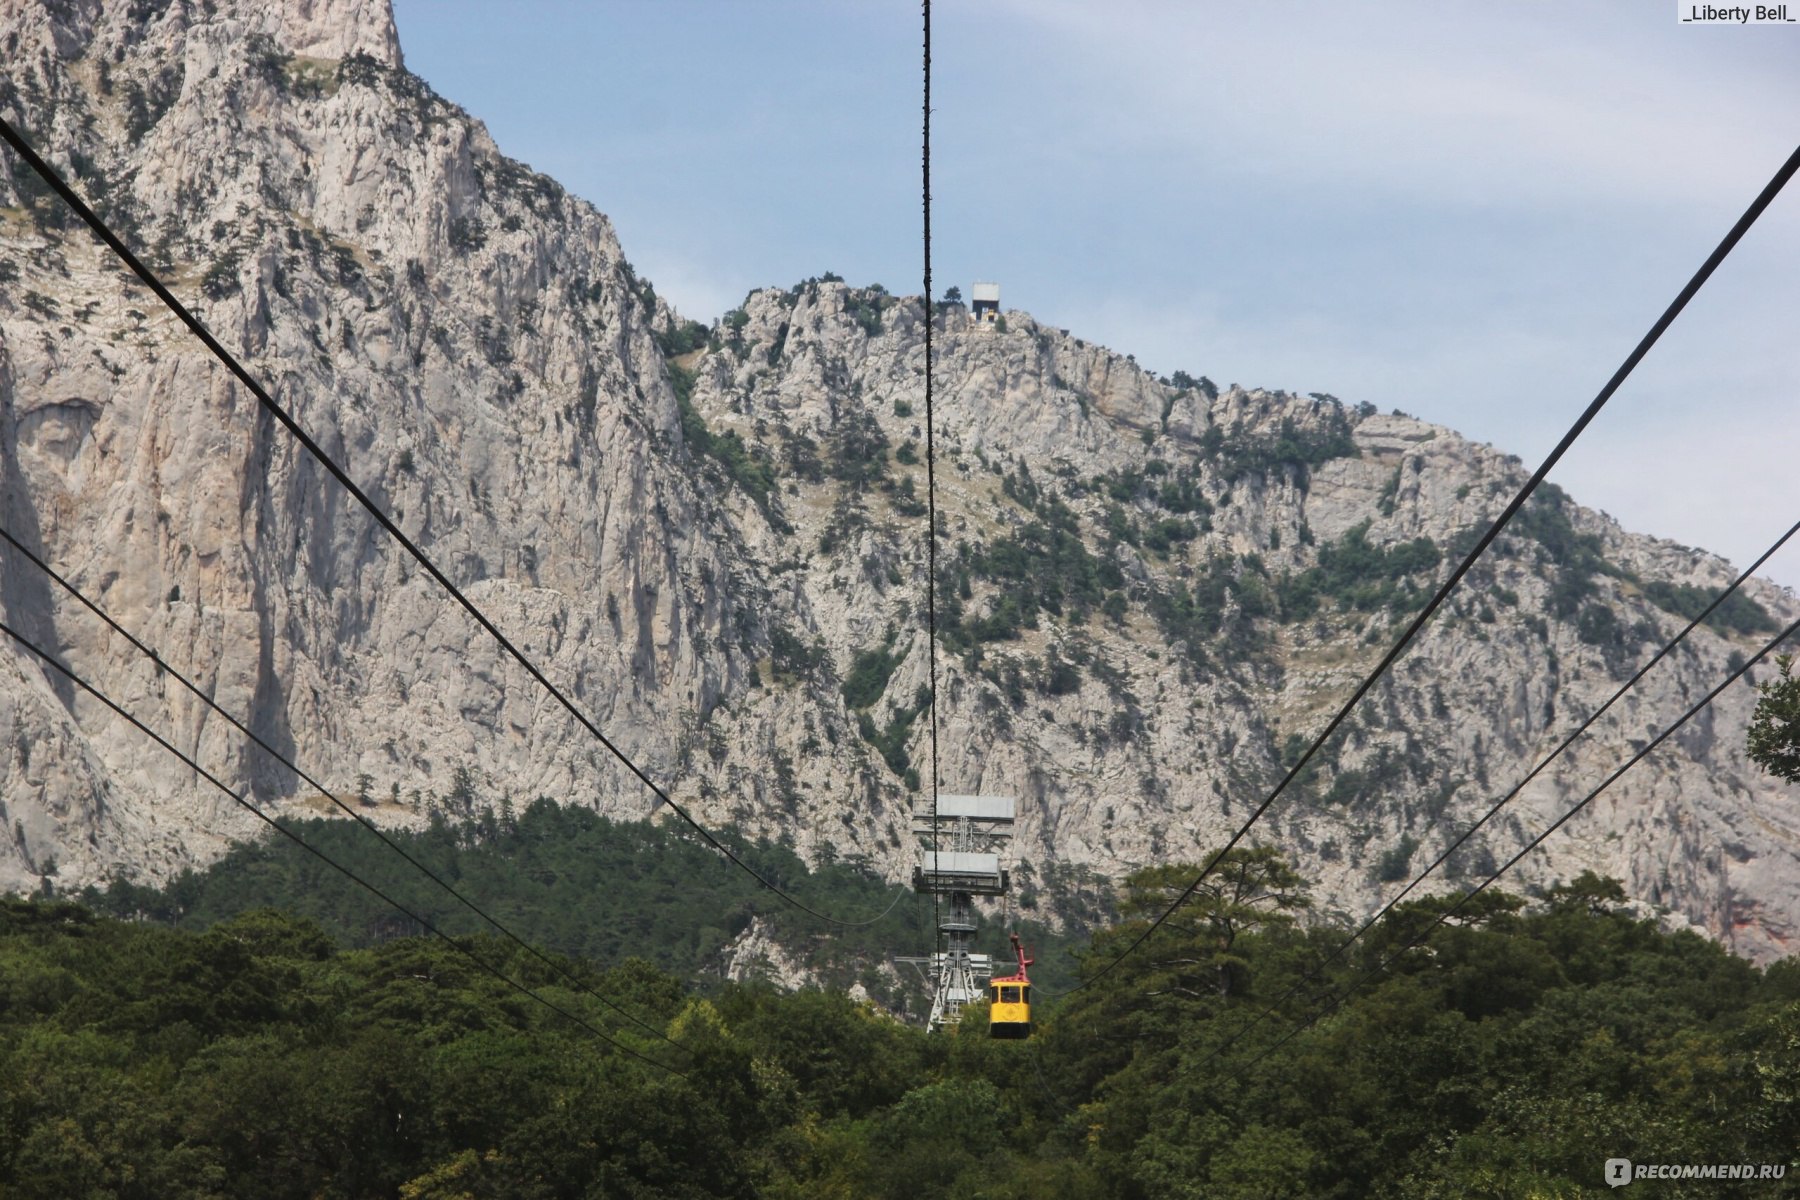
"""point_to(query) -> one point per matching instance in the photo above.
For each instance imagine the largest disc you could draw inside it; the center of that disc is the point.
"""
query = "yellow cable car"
(1009, 1000)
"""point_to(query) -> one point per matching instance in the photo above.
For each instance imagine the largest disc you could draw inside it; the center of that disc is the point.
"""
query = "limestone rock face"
(1150, 592)
(331, 221)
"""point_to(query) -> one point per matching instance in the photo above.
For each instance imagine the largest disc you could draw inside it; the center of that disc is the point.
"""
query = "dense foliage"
(1510, 1055)
(1774, 740)
(571, 880)
(869, 673)
(1738, 614)
(1579, 557)
(1239, 452)
(1360, 575)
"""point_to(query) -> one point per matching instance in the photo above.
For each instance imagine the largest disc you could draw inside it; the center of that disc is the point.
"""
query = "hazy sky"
(1467, 211)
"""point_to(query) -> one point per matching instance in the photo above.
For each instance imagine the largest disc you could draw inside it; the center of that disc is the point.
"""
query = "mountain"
(1152, 592)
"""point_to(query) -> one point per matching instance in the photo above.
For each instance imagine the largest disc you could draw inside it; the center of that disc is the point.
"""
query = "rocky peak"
(341, 29)
(322, 29)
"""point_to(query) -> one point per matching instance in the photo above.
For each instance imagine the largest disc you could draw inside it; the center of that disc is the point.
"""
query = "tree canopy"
(1774, 742)
(1511, 1054)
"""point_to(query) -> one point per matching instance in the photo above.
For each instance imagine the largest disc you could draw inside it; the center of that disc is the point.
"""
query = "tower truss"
(969, 833)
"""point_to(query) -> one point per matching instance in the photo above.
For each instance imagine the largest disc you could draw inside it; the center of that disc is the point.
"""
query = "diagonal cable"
(1333, 1001)
(1719, 254)
(258, 813)
(225, 357)
(1494, 811)
(163, 666)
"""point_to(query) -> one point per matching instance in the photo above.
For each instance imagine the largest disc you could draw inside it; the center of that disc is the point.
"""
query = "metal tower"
(971, 827)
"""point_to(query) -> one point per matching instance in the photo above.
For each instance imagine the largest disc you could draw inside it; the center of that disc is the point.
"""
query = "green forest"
(305, 1050)
(581, 884)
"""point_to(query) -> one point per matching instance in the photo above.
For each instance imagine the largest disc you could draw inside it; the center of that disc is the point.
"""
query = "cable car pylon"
(973, 828)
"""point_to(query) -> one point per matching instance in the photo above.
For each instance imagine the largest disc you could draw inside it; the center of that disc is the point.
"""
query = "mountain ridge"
(713, 537)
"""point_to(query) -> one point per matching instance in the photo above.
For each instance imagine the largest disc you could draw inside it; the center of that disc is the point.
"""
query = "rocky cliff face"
(714, 539)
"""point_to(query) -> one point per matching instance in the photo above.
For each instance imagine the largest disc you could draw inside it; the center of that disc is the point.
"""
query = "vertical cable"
(930, 482)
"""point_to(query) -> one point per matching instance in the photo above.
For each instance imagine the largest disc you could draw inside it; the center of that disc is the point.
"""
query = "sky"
(1469, 212)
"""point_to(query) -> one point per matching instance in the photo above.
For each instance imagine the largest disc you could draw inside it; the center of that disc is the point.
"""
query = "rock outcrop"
(1150, 591)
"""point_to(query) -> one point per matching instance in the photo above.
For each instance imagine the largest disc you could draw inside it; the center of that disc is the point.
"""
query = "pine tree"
(1774, 742)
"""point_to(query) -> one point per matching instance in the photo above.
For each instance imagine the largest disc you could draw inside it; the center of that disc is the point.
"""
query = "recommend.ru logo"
(1621, 1171)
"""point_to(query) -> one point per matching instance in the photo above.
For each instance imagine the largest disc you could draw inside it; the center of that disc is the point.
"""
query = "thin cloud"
(1463, 104)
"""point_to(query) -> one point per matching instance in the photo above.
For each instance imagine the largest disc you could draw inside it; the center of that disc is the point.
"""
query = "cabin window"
(1009, 995)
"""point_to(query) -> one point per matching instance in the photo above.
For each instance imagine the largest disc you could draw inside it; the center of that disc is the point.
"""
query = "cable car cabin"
(1009, 1008)
(1009, 1000)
